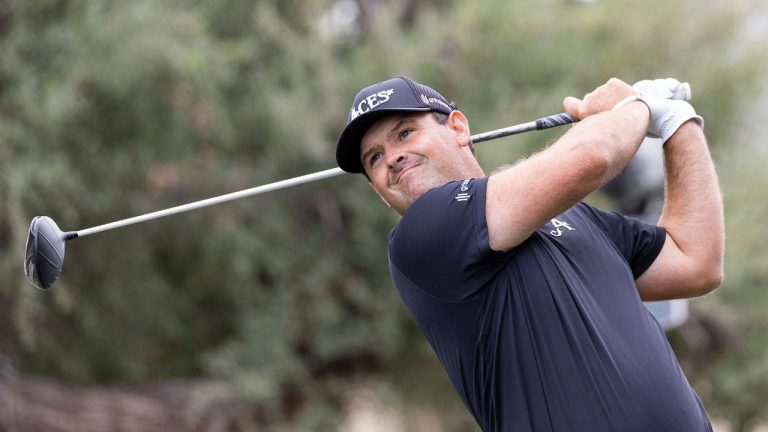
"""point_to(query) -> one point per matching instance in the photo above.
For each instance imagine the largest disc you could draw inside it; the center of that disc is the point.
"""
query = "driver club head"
(44, 256)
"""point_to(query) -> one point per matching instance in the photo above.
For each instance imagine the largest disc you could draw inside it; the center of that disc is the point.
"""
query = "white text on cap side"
(431, 100)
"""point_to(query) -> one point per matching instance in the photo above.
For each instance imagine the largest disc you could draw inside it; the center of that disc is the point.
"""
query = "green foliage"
(110, 109)
(736, 386)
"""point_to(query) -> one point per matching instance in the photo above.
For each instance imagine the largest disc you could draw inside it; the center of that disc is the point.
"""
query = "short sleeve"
(639, 242)
(441, 243)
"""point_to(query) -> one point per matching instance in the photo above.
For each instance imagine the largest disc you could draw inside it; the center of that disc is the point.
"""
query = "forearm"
(626, 136)
(693, 209)
(522, 197)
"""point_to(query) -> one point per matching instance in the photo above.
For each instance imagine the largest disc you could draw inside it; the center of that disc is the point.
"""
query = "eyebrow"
(398, 125)
(402, 121)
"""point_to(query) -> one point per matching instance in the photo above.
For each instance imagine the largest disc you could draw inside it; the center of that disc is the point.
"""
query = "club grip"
(555, 120)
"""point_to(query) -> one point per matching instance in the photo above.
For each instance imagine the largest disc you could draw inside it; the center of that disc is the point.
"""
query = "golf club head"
(44, 256)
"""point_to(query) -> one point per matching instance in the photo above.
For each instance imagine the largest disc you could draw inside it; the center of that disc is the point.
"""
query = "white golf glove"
(668, 88)
(667, 115)
(666, 99)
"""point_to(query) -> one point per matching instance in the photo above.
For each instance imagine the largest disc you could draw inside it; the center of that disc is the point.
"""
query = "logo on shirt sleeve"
(463, 195)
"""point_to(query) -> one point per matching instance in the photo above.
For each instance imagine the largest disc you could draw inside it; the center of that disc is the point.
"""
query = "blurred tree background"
(269, 313)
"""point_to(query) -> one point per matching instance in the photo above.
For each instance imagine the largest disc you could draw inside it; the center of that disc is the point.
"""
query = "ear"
(459, 124)
(380, 196)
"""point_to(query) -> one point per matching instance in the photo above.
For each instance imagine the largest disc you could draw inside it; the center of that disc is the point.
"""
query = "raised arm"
(691, 261)
(522, 197)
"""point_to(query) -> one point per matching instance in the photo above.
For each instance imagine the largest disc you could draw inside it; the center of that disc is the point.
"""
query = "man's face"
(406, 154)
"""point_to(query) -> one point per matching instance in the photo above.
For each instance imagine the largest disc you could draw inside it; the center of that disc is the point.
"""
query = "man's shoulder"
(439, 238)
(454, 195)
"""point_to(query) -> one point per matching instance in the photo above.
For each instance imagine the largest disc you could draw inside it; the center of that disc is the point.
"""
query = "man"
(531, 299)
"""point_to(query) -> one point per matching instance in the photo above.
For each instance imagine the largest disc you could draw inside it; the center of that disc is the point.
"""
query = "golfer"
(531, 299)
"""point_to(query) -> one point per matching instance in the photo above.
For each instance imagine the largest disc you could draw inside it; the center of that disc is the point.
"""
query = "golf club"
(44, 256)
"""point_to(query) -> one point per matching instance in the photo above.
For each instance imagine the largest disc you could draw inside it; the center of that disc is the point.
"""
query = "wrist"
(630, 101)
(625, 101)
(688, 130)
(667, 115)
(637, 107)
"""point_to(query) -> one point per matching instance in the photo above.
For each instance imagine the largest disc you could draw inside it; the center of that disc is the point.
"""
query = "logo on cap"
(431, 101)
(370, 102)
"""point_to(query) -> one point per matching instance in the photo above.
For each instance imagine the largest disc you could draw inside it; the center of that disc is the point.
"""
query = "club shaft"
(539, 124)
(295, 181)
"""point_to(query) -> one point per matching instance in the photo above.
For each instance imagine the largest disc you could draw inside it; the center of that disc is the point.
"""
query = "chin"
(415, 185)
(414, 192)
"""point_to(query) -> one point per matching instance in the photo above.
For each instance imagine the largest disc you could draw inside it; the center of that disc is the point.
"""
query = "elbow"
(710, 273)
(707, 281)
(715, 280)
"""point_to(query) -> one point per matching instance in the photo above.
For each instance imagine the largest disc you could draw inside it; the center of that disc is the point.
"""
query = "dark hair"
(440, 117)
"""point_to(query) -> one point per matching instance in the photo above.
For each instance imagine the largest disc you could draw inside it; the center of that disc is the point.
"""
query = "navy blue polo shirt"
(551, 335)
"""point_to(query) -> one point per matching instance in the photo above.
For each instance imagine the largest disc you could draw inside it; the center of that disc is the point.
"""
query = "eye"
(404, 134)
(374, 157)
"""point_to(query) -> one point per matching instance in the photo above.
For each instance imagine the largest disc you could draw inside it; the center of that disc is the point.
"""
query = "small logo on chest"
(560, 226)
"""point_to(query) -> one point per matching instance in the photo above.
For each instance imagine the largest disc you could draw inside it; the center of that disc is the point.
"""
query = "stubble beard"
(416, 184)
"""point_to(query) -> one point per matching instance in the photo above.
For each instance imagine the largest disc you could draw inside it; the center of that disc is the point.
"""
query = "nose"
(396, 160)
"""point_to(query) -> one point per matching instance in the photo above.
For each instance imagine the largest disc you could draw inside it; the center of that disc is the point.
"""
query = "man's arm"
(528, 194)
(691, 261)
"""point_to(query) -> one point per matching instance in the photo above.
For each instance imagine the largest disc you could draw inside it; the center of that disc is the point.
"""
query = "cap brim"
(348, 146)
